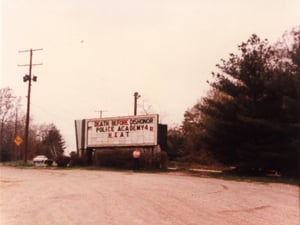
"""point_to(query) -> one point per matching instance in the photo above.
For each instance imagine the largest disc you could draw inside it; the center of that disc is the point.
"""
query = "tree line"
(250, 116)
(44, 139)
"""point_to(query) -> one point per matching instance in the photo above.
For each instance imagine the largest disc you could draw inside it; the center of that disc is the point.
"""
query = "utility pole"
(101, 111)
(29, 78)
(15, 155)
(136, 96)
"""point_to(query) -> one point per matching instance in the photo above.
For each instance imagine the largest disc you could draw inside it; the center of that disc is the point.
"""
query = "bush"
(76, 160)
(114, 158)
(62, 160)
(49, 162)
(122, 158)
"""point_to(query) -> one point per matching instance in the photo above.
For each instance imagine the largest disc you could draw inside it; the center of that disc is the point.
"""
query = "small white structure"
(40, 160)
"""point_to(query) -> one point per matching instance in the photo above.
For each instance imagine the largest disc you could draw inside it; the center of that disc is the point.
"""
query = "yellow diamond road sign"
(18, 140)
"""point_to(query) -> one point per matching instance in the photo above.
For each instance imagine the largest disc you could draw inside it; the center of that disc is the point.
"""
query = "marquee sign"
(122, 131)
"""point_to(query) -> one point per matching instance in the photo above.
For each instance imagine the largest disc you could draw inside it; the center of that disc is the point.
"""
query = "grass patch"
(19, 164)
(173, 167)
(259, 179)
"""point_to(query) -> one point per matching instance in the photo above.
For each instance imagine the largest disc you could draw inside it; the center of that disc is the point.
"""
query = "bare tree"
(8, 121)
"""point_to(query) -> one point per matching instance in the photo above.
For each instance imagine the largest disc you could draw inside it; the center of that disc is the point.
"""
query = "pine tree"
(53, 143)
(251, 116)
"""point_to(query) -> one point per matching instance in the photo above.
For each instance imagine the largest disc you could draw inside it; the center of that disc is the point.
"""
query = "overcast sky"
(97, 53)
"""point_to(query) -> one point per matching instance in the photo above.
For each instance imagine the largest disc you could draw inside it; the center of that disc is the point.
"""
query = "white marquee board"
(122, 131)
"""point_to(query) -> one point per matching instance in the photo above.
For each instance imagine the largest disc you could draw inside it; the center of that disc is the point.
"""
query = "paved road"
(51, 197)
